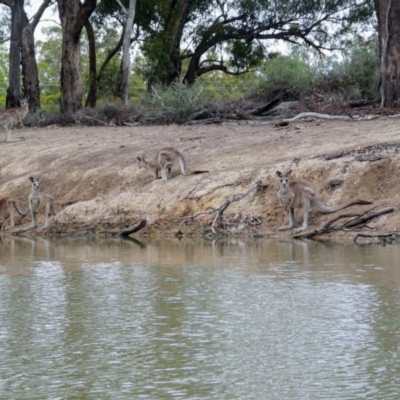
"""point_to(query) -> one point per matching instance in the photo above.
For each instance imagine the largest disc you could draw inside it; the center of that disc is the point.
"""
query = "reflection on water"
(170, 319)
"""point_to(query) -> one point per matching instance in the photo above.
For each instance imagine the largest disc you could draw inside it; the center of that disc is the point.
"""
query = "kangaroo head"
(35, 182)
(23, 101)
(141, 160)
(284, 178)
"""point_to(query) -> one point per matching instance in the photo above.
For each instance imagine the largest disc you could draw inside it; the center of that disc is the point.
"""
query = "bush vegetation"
(351, 75)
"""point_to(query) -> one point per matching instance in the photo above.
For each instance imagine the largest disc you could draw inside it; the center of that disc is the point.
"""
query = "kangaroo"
(7, 207)
(39, 203)
(163, 160)
(301, 195)
(12, 116)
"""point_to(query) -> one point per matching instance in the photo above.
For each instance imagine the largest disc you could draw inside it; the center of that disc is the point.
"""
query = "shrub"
(180, 99)
(291, 72)
(356, 76)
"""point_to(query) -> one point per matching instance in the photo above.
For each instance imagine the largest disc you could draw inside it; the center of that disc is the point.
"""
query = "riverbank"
(92, 174)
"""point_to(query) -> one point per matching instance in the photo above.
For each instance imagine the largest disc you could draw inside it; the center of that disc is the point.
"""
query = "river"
(194, 319)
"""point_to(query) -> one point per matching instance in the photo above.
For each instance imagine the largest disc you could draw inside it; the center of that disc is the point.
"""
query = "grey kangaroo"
(294, 194)
(12, 116)
(163, 161)
(7, 207)
(39, 203)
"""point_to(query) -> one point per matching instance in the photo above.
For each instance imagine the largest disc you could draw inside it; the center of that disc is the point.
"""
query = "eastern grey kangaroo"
(39, 203)
(163, 161)
(294, 194)
(11, 116)
(7, 207)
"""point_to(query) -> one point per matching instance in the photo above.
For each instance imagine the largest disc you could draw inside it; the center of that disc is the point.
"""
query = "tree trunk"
(30, 76)
(73, 16)
(14, 86)
(123, 82)
(92, 95)
(388, 13)
(168, 71)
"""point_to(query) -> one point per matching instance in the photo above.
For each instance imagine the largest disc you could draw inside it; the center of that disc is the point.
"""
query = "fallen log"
(243, 115)
(317, 115)
(262, 109)
(359, 103)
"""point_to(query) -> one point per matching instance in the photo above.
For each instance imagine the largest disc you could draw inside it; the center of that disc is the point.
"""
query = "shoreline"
(97, 187)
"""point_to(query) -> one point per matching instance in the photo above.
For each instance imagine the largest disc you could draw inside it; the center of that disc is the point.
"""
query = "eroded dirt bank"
(97, 187)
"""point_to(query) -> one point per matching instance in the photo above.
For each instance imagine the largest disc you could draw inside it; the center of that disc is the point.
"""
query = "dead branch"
(369, 158)
(378, 235)
(132, 229)
(337, 154)
(317, 115)
(80, 115)
(70, 202)
(243, 115)
(208, 193)
(366, 217)
(359, 103)
(362, 218)
(262, 109)
(221, 209)
(202, 114)
(216, 120)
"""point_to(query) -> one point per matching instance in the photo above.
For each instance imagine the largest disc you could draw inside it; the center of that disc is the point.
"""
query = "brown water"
(169, 319)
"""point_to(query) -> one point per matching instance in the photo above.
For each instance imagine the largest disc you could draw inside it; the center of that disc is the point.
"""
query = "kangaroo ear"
(279, 173)
(31, 178)
(139, 159)
(288, 173)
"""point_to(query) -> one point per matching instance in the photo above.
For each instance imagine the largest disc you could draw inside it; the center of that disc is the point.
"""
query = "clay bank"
(97, 187)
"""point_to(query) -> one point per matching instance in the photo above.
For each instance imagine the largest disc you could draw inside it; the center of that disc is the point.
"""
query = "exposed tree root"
(240, 220)
(358, 222)
(132, 229)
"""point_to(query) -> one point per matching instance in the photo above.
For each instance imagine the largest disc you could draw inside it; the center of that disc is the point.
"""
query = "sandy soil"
(93, 176)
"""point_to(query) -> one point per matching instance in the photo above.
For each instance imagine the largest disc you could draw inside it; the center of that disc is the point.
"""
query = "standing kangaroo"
(12, 116)
(39, 203)
(301, 195)
(163, 161)
(7, 207)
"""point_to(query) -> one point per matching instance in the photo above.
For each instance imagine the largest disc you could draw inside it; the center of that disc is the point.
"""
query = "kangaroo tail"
(199, 172)
(18, 209)
(322, 208)
(182, 164)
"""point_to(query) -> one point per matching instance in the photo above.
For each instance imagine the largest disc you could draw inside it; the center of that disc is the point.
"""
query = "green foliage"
(3, 73)
(51, 102)
(178, 98)
(291, 72)
(357, 75)
(48, 55)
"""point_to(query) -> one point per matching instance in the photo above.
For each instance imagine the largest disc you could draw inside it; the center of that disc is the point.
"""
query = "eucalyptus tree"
(22, 52)
(241, 32)
(73, 16)
(388, 14)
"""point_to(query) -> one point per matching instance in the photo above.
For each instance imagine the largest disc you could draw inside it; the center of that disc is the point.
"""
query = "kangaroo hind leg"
(292, 222)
